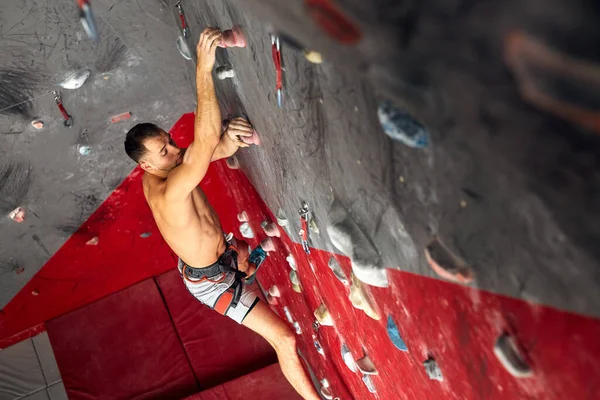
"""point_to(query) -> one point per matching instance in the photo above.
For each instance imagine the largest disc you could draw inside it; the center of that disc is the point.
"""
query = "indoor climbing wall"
(428, 171)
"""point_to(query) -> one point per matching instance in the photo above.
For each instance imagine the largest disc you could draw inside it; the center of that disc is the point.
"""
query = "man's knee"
(285, 340)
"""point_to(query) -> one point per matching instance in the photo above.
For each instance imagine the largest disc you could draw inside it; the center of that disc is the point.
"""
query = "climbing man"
(214, 270)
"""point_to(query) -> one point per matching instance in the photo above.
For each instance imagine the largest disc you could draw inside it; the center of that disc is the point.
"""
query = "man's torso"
(190, 226)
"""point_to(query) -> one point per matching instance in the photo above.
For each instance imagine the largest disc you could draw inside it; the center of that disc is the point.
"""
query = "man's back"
(190, 226)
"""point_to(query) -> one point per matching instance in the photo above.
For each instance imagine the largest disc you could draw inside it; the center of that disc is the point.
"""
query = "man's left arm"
(231, 139)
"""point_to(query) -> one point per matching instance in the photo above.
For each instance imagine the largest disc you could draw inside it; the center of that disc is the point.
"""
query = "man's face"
(162, 154)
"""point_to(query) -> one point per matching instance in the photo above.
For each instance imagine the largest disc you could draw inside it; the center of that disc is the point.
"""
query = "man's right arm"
(207, 127)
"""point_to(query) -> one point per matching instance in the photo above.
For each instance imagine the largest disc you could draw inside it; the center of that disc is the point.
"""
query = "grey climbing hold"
(510, 357)
(369, 383)
(288, 314)
(146, 235)
(348, 237)
(76, 79)
(334, 265)
(246, 230)
(433, 370)
(297, 328)
(399, 125)
(319, 348)
(183, 48)
(394, 334)
(348, 359)
(224, 72)
(322, 315)
(274, 291)
(326, 389)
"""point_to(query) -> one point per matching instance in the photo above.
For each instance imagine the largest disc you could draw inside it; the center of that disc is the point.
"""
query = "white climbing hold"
(242, 217)
(334, 265)
(366, 366)
(183, 48)
(270, 229)
(267, 245)
(510, 357)
(297, 288)
(246, 230)
(369, 383)
(224, 72)
(281, 218)
(17, 215)
(37, 123)
(84, 149)
(93, 241)
(348, 359)
(322, 315)
(274, 291)
(288, 314)
(326, 390)
(292, 262)
(297, 328)
(76, 79)
(433, 370)
(272, 300)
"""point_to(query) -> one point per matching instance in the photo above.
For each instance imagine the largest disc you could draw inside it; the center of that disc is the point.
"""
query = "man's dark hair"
(134, 141)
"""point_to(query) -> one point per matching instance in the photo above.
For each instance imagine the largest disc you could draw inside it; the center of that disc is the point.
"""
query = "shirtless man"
(213, 269)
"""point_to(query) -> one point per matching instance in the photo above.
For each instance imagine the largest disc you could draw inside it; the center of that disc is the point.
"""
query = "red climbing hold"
(332, 21)
(233, 38)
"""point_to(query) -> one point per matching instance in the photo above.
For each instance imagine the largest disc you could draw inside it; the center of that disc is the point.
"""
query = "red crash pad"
(123, 346)
(218, 348)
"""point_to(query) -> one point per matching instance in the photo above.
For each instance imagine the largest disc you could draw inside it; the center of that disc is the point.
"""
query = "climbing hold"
(274, 291)
(369, 383)
(37, 124)
(313, 56)
(399, 125)
(34, 292)
(120, 117)
(281, 218)
(254, 139)
(18, 270)
(312, 225)
(76, 79)
(291, 261)
(268, 245)
(246, 230)
(446, 264)
(145, 235)
(233, 163)
(510, 357)
(333, 22)
(272, 300)
(233, 38)
(297, 328)
(243, 217)
(84, 149)
(294, 278)
(348, 237)
(316, 325)
(337, 270)
(183, 48)
(288, 314)
(394, 335)
(319, 347)
(360, 299)
(296, 288)
(326, 390)
(322, 315)
(366, 366)
(433, 370)
(93, 241)
(224, 72)
(348, 359)
(270, 229)
(17, 215)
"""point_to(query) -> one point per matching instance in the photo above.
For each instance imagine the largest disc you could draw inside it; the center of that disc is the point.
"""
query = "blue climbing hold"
(394, 335)
(401, 126)
(256, 257)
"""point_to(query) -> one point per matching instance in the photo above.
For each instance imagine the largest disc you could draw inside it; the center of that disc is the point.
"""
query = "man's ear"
(146, 167)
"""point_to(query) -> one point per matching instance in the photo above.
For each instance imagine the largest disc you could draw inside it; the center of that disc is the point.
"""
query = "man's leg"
(266, 323)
